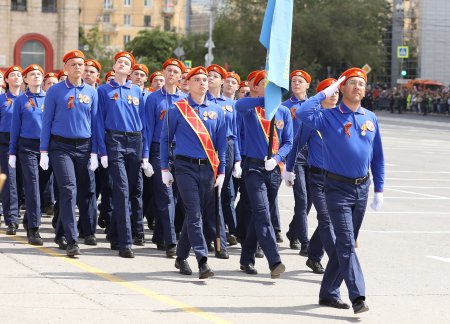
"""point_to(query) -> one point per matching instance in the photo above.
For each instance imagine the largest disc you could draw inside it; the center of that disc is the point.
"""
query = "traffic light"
(403, 73)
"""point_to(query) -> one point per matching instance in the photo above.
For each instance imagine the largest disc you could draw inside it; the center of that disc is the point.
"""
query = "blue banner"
(275, 36)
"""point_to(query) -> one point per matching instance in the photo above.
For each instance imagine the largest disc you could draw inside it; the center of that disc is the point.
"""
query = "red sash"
(265, 125)
(199, 128)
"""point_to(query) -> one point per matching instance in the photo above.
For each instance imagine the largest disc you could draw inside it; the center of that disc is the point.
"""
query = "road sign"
(208, 59)
(179, 51)
(188, 63)
(402, 52)
(212, 43)
(366, 68)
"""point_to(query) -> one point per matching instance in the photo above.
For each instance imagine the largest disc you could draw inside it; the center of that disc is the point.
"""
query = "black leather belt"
(6, 135)
(192, 160)
(253, 160)
(356, 181)
(315, 170)
(124, 133)
(32, 140)
(70, 140)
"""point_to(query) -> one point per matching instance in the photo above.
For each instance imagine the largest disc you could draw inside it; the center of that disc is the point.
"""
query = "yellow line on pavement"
(115, 279)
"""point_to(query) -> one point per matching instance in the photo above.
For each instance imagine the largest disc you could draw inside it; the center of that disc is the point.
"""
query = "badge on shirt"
(70, 102)
(205, 115)
(115, 96)
(347, 129)
(229, 108)
(129, 99)
(212, 115)
(9, 101)
(136, 101)
(42, 107)
(370, 126)
(363, 129)
(293, 110)
(280, 124)
(86, 99)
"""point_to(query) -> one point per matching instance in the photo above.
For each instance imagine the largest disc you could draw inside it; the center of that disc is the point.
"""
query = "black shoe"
(232, 240)
(315, 266)
(304, 250)
(204, 271)
(101, 220)
(139, 240)
(210, 247)
(90, 240)
(259, 253)
(61, 242)
(161, 246)
(34, 238)
(73, 249)
(49, 210)
(126, 253)
(114, 246)
(171, 250)
(335, 303)
(54, 221)
(360, 306)
(294, 244)
(222, 254)
(249, 269)
(279, 237)
(12, 229)
(276, 270)
(184, 267)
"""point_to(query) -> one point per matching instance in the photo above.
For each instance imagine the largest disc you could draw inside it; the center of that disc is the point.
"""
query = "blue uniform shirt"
(293, 104)
(227, 105)
(241, 134)
(75, 120)
(188, 143)
(6, 111)
(255, 139)
(120, 108)
(27, 118)
(156, 107)
(351, 140)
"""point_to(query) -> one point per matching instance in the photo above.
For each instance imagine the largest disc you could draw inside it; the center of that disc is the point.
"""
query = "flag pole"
(269, 151)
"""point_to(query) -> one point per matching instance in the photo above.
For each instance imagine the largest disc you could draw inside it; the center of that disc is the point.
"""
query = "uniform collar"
(114, 84)
(9, 95)
(29, 94)
(70, 85)
(192, 103)
(345, 110)
(209, 96)
(294, 99)
(164, 92)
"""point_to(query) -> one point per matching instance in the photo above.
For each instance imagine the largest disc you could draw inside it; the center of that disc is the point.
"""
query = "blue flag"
(275, 36)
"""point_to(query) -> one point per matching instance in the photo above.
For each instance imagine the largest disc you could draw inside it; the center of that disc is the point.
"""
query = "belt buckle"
(359, 181)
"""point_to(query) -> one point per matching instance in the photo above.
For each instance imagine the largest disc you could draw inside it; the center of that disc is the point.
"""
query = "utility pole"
(209, 57)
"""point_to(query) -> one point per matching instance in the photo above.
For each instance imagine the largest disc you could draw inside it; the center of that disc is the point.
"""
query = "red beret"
(301, 73)
(252, 75)
(354, 72)
(155, 74)
(93, 63)
(195, 71)
(73, 54)
(109, 74)
(187, 70)
(33, 67)
(325, 84)
(51, 75)
(243, 84)
(234, 76)
(175, 62)
(61, 73)
(141, 67)
(150, 89)
(260, 76)
(218, 69)
(12, 68)
(127, 55)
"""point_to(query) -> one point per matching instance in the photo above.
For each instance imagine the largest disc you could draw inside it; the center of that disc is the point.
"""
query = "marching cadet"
(200, 131)
(50, 79)
(91, 72)
(68, 140)
(298, 227)
(156, 80)
(10, 203)
(323, 235)
(62, 75)
(139, 76)
(25, 134)
(109, 76)
(263, 175)
(156, 107)
(352, 144)
(184, 85)
(243, 89)
(231, 85)
(123, 149)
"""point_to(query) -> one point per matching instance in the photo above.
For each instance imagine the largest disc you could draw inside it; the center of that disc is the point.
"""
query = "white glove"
(104, 161)
(43, 161)
(12, 161)
(219, 182)
(237, 170)
(167, 177)
(270, 164)
(147, 167)
(377, 201)
(93, 162)
(328, 92)
(289, 178)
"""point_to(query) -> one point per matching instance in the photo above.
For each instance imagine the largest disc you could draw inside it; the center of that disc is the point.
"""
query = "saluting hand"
(43, 161)
(328, 92)
(12, 161)
(377, 201)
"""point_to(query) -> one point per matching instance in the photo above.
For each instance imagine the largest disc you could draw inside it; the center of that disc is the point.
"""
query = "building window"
(107, 39)
(106, 18)
(127, 3)
(166, 23)
(147, 3)
(19, 5)
(126, 39)
(48, 5)
(147, 21)
(107, 4)
(33, 52)
(127, 20)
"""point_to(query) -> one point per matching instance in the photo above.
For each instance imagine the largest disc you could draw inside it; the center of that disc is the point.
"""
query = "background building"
(37, 31)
